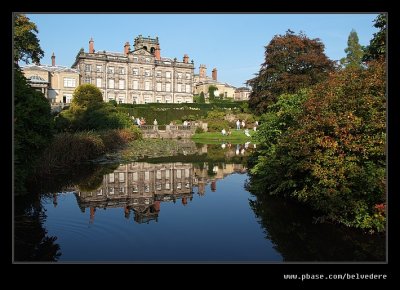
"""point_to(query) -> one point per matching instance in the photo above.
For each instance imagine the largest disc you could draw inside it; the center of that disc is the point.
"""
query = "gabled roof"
(141, 51)
(37, 79)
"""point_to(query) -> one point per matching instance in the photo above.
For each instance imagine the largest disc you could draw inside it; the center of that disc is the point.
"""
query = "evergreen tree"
(377, 46)
(354, 52)
(202, 100)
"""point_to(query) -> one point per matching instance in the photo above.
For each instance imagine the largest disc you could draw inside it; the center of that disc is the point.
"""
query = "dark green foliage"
(354, 52)
(377, 46)
(327, 148)
(32, 128)
(202, 99)
(211, 90)
(26, 43)
(292, 62)
(86, 95)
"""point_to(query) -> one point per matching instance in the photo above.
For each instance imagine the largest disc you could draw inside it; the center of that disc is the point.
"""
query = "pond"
(190, 207)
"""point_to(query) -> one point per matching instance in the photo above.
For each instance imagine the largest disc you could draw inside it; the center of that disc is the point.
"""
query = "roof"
(49, 68)
(37, 79)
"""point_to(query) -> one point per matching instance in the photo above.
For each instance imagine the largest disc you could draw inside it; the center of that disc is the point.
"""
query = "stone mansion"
(137, 76)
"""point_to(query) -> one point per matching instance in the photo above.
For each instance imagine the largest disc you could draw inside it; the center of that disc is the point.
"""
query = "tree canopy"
(354, 51)
(26, 43)
(292, 62)
(377, 46)
(86, 95)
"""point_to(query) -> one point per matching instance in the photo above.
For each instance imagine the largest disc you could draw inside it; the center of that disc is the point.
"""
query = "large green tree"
(377, 46)
(354, 51)
(32, 118)
(26, 43)
(202, 100)
(87, 95)
(292, 62)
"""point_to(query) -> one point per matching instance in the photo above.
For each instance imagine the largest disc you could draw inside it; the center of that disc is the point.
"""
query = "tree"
(86, 95)
(211, 95)
(292, 62)
(354, 52)
(377, 46)
(32, 118)
(202, 100)
(26, 43)
(330, 154)
(32, 128)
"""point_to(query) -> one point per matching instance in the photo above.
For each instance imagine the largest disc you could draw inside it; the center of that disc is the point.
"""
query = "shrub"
(199, 130)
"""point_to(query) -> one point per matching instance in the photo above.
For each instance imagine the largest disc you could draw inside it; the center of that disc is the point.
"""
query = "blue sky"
(233, 43)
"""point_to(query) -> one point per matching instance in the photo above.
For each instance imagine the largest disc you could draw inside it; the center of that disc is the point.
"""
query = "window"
(188, 88)
(121, 99)
(179, 87)
(98, 82)
(122, 70)
(67, 98)
(167, 186)
(87, 80)
(135, 176)
(135, 85)
(110, 70)
(188, 76)
(168, 87)
(179, 185)
(187, 172)
(146, 100)
(121, 84)
(135, 71)
(179, 100)
(110, 83)
(158, 73)
(99, 68)
(178, 173)
(147, 86)
(167, 174)
(111, 190)
(69, 83)
(168, 74)
(146, 175)
(110, 97)
(147, 59)
(147, 73)
(135, 58)
(158, 186)
(111, 177)
(135, 99)
(158, 174)
(179, 75)
(134, 188)
(121, 177)
(158, 87)
(88, 67)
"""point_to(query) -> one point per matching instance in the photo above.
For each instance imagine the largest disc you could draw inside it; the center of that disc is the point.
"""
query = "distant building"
(242, 94)
(56, 82)
(202, 82)
(139, 76)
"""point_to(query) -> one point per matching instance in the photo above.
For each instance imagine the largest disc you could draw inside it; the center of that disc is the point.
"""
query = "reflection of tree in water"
(31, 240)
(290, 227)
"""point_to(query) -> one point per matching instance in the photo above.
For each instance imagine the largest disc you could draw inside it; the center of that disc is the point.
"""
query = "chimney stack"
(157, 52)
(127, 47)
(214, 74)
(202, 71)
(91, 45)
(186, 58)
(53, 60)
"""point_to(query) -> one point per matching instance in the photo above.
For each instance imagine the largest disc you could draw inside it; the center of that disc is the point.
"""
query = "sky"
(232, 43)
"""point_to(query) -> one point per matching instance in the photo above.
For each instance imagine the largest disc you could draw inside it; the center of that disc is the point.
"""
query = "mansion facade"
(137, 76)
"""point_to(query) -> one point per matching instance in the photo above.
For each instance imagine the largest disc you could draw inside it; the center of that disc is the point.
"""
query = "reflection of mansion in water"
(141, 187)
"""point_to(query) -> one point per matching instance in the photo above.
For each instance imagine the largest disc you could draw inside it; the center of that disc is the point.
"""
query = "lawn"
(217, 136)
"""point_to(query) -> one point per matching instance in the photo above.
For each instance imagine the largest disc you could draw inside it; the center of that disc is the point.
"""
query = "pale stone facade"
(242, 94)
(56, 82)
(139, 76)
(202, 82)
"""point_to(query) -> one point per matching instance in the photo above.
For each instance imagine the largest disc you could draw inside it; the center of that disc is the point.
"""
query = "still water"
(191, 207)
